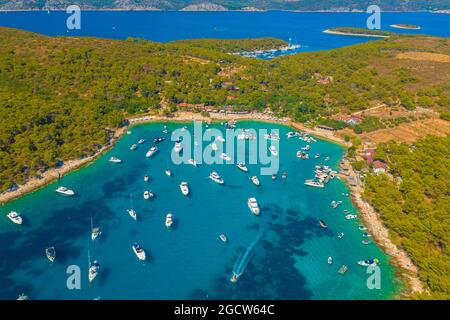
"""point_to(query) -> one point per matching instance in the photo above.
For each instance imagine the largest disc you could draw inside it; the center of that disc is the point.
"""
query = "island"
(405, 26)
(359, 32)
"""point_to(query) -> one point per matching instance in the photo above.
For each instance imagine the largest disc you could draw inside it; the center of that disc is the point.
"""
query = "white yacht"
(223, 238)
(214, 146)
(141, 141)
(225, 157)
(273, 151)
(50, 252)
(65, 191)
(330, 260)
(139, 252)
(15, 217)
(192, 162)
(132, 213)
(255, 181)
(146, 178)
(115, 160)
(168, 173)
(93, 270)
(214, 176)
(178, 147)
(133, 147)
(253, 206)
(95, 233)
(184, 188)
(242, 167)
(351, 216)
(169, 220)
(148, 194)
(314, 183)
(151, 152)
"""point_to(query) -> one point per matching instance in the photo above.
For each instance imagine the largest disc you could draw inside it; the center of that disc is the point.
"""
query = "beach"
(354, 34)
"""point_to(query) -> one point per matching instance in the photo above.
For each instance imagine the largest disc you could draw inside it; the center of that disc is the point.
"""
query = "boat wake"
(241, 263)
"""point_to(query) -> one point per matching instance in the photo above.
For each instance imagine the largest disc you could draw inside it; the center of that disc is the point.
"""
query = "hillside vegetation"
(61, 96)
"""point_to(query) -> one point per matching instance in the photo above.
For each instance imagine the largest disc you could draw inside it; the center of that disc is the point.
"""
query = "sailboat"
(95, 232)
(50, 252)
(93, 268)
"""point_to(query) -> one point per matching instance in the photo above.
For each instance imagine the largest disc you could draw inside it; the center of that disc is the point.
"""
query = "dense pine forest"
(414, 203)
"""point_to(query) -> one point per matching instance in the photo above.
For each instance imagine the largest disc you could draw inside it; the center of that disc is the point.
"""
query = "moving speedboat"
(234, 278)
(151, 152)
(132, 213)
(141, 141)
(115, 160)
(369, 262)
(93, 270)
(225, 157)
(148, 194)
(140, 253)
(242, 167)
(214, 176)
(15, 217)
(169, 220)
(273, 151)
(223, 237)
(184, 188)
(50, 252)
(65, 191)
(133, 147)
(255, 181)
(253, 206)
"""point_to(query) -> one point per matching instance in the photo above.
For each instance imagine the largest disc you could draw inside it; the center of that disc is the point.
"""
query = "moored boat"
(273, 151)
(139, 251)
(141, 141)
(151, 152)
(93, 270)
(148, 194)
(343, 269)
(253, 206)
(168, 173)
(322, 224)
(314, 183)
(255, 181)
(214, 176)
(178, 146)
(115, 160)
(184, 188)
(133, 147)
(64, 191)
(169, 220)
(192, 162)
(146, 178)
(242, 167)
(15, 217)
(369, 262)
(223, 237)
(225, 157)
(330, 260)
(132, 213)
(50, 252)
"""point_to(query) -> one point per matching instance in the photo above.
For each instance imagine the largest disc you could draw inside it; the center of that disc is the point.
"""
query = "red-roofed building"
(369, 154)
(379, 166)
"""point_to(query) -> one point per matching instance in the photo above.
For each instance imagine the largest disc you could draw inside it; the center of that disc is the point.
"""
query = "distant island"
(359, 32)
(406, 26)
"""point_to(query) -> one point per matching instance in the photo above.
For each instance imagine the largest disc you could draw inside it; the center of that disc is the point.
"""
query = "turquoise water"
(288, 259)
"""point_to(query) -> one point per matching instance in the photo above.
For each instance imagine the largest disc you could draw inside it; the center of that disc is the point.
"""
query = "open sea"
(283, 252)
(287, 249)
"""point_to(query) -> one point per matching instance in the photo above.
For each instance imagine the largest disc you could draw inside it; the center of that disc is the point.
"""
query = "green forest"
(414, 204)
(60, 97)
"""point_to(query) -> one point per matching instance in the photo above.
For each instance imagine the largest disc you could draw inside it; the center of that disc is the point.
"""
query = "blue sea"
(304, 28)
(287, 250)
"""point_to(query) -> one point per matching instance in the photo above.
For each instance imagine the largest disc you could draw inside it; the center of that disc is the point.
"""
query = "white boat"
(139, 252)
(234, 278)
(220, 139)
(133, 147)
(273, 151)
(242, 167)
(115, 160)
(23, 296)
(141, 141)
(223, 237)
(214, 146)
(272, 137)
(148, 194)
(95, 233)
(316, 156)
(151, 152)
(93, 270)
(146, 178)
(290, 134)
(351, 216)
(169, 220)
(184, 188)
(330, 260)
(369, 262)
(253, 206)
(341, 235)
(128, 132)
(192, 162)
(65, 191)
(225, 157)
(255, 181)
(168, 173)
(214, 176)
(327, 158)
(132, 213)
(15, 217)
(178, 147)
(50, 252)
(314, 183)
(306, 148)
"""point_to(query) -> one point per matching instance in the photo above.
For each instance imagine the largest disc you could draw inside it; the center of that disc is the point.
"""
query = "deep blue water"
(303, 28)
(288, 261)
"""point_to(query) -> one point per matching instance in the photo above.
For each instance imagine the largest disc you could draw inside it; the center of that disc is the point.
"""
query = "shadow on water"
(58, 230)
(271, 271)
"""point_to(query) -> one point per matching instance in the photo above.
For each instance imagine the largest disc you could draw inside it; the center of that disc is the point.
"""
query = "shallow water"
(288, 261)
